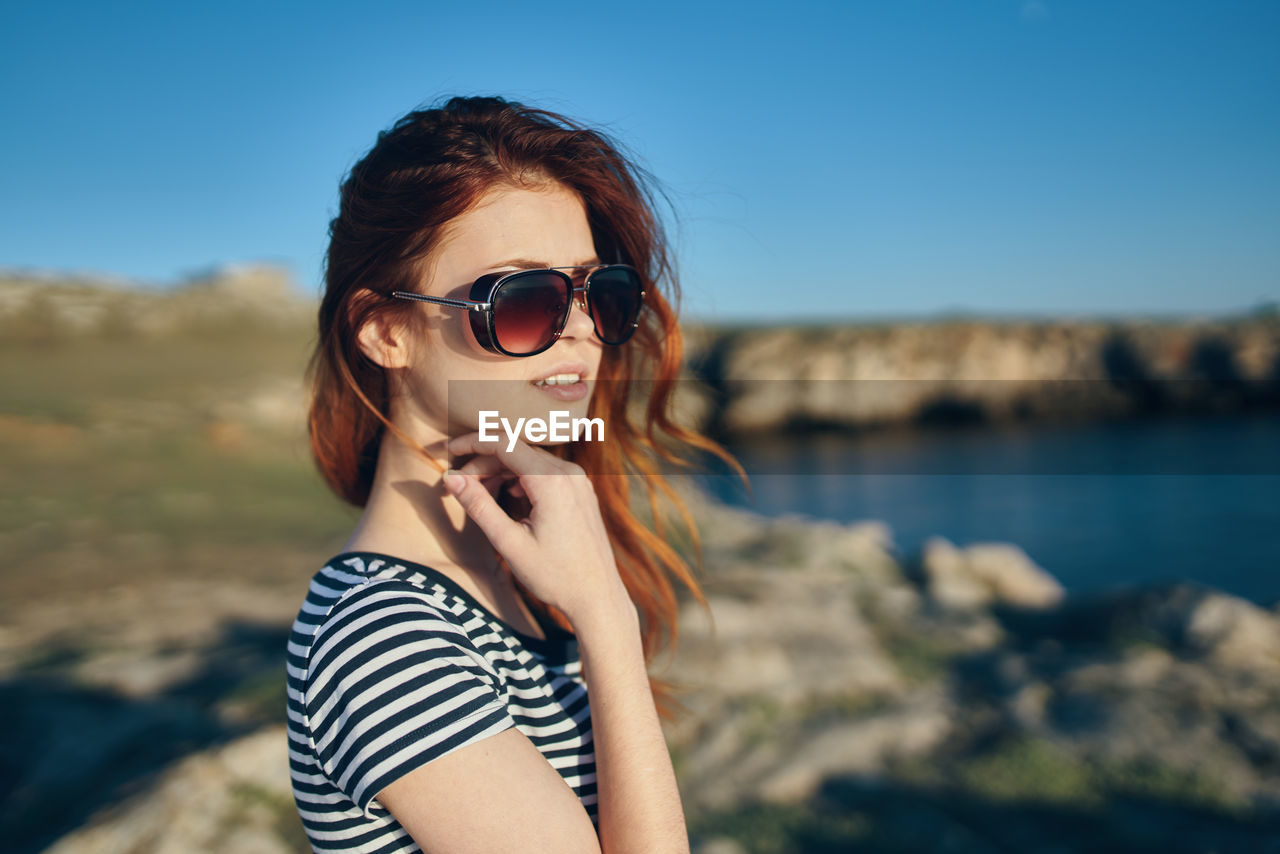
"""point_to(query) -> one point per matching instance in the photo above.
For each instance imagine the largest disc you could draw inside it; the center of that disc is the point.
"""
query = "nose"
(579, 323)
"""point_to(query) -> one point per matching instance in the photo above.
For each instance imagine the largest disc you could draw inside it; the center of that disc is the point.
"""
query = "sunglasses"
(524, 313)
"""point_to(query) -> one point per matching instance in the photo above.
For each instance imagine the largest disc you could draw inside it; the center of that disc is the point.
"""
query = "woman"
(469, 674)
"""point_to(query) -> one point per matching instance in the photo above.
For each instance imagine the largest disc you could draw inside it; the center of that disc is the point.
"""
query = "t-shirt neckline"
(558, 643)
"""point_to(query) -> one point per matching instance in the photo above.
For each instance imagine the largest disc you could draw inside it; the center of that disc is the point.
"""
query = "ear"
(383, 341)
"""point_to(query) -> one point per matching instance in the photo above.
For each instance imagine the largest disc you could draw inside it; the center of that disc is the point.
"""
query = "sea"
(1100, 505)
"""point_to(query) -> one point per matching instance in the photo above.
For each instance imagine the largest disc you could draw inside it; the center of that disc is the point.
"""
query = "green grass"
(841, 707)
(1027, 769)
(761, 716)
(918, 658)
(1149, 779)
(177, 488)
(70, 379)
(119, 452)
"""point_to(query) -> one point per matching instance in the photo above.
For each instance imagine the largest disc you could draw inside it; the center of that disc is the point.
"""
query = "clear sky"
(826, 160)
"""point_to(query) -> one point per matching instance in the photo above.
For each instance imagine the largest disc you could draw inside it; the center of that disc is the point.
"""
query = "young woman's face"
(452, 378)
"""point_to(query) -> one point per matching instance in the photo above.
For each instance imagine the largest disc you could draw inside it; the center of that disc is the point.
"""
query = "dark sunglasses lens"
(614, 297)
(529, 310)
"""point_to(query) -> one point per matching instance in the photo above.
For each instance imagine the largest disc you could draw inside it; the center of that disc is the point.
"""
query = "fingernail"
(455, 483)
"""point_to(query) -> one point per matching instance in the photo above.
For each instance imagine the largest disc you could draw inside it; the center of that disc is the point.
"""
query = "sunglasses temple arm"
(470, 305)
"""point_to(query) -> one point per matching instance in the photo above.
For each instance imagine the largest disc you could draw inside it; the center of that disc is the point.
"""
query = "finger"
(496, 481)
(523, 458)
(530, 464)
(484, 467)
(491, 472)
(504, 534)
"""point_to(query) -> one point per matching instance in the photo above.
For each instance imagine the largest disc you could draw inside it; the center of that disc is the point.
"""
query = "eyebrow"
(534, 264)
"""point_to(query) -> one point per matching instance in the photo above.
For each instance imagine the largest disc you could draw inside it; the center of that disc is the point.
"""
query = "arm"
(562, 554)
(639, 804)
(495, 795)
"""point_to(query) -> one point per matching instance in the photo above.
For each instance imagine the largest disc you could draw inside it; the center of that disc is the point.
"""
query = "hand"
(560, 552)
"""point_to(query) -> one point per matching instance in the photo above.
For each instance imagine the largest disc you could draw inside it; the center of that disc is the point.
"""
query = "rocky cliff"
(768, 379)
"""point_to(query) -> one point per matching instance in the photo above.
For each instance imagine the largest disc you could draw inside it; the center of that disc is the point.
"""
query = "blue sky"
(826, 160)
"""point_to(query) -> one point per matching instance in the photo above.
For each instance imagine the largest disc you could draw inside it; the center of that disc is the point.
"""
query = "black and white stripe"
(392, 664)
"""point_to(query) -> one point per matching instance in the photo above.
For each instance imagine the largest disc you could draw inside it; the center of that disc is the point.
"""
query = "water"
(1099, 505)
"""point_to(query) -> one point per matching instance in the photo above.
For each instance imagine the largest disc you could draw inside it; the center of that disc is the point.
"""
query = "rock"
(788, 636)
(1227, 630)
(860, 746)
(785, 756)
(1029, 703)
(234, 799)
(948, 580)
(983, 573)
(1013, 577)
(1235, 632)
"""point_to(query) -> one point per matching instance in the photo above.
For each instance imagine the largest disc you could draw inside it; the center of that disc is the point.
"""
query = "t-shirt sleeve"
(391, 685)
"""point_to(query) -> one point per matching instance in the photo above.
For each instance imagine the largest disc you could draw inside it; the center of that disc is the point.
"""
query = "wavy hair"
(433, 165)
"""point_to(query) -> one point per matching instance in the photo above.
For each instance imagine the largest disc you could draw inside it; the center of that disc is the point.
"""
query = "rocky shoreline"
(839, 698)
(840, 680)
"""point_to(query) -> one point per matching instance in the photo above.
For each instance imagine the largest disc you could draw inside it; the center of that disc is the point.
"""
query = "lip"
(579, 368)
(577, 391)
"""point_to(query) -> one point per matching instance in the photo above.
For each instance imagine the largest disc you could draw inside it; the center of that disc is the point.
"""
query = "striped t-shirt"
(392, 664)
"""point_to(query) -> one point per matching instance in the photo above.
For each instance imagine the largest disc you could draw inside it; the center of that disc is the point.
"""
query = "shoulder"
(382, 614)
(354, 588)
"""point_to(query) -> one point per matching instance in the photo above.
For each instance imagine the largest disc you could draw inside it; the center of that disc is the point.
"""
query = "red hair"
(433, 165)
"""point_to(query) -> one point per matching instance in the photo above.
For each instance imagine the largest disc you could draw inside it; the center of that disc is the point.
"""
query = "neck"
(411, 516)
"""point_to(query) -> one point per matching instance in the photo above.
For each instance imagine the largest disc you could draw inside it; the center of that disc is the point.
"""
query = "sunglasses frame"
(483, 291)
